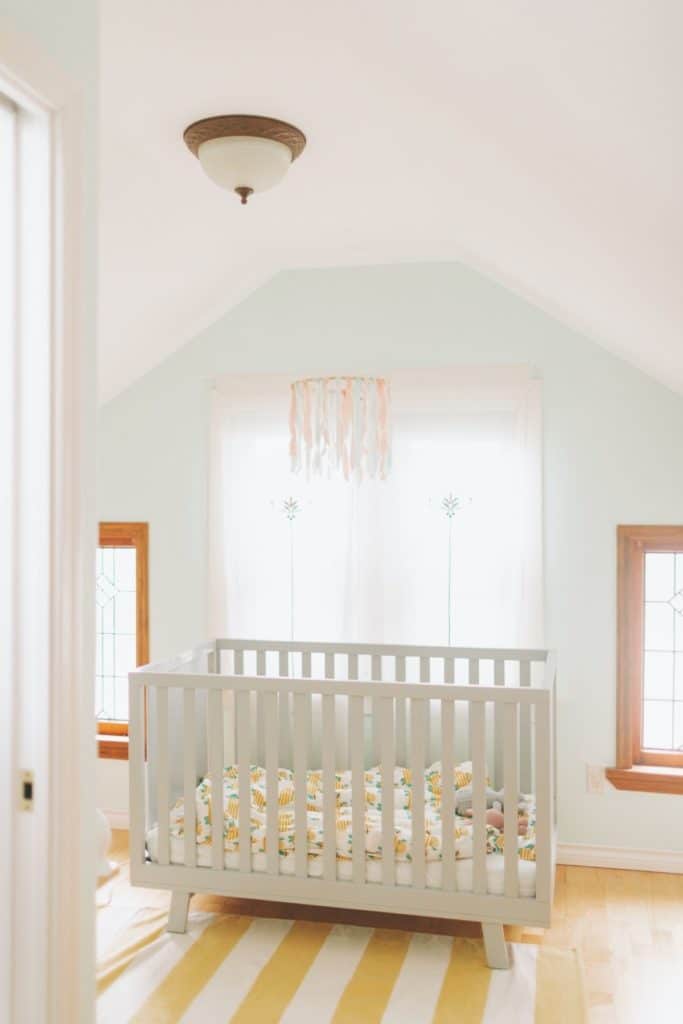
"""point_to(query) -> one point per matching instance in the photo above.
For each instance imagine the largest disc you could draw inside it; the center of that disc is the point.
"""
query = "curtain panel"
(447, 549)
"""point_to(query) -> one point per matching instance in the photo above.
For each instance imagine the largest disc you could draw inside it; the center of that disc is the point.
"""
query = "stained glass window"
(116, 621)
(662, 694)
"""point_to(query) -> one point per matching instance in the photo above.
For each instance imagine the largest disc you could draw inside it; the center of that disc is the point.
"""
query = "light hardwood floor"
(628, 926)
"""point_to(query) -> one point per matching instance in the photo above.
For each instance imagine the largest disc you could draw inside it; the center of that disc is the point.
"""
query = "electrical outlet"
(595, 778)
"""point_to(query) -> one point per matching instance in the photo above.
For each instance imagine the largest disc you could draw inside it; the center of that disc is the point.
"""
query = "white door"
(46, 540)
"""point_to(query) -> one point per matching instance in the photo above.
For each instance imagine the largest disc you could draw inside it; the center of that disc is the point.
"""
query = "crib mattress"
(402, 793)
(373, 868)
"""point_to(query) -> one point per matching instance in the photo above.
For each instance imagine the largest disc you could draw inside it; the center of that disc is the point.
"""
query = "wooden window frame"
(112, 737)
(638, 768)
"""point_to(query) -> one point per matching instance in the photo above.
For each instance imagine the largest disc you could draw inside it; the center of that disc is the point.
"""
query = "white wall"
(612, 448)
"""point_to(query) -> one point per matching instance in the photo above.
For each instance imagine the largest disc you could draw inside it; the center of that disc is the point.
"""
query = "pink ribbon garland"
(342, 424)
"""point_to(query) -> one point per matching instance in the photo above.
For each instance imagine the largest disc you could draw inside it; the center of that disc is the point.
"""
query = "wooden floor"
(628, 926)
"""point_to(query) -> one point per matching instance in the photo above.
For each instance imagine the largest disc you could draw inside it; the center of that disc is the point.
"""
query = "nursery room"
(359, 481)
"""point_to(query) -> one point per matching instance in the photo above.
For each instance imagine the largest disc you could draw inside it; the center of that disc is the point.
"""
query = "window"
(293, 557)
(122, 640)
(650, 659)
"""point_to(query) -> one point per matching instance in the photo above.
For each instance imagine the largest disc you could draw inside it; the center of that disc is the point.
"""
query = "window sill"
(113, 748)
(646, 779)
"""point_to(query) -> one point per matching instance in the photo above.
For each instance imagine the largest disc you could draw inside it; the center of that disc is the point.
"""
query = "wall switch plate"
(595, 778)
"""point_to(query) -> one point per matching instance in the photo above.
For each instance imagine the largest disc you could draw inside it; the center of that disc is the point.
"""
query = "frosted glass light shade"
(244, 153)
(241, 161)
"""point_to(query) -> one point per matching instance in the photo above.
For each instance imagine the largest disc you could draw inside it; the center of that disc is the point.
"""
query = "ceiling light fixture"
(244, 153)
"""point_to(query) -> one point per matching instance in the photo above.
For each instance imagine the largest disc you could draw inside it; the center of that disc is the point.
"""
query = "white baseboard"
(117, 819)
(579, 855)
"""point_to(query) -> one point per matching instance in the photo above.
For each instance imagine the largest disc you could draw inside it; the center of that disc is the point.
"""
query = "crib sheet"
(402, 792)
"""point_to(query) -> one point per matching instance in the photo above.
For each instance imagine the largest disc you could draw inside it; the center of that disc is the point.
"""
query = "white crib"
(346, 706)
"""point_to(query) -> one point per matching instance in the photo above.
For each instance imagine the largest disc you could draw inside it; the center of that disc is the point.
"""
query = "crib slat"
(473, 677)
(329, 791)
(285, 712)
(525, 739)
(401, 713)
(353, 666)
(259, 752)
(478, 747)
(449, 670)
(136, 753)
(258, 741)
(244, 758)
(239, 663)
(447, 797)
(229, 727)
(162, 773)
(511, 790)
(425, 674)
(543, 795)
(388, 761)
(189, 778)
(214, 710)
(300, 765)
(329, 665)
(376, 675)
(417, 765)
(272, 805)
(356, 747)
(498, 727)
(306, 664)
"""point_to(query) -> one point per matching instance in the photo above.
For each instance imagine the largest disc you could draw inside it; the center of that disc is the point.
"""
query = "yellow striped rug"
(261, 971)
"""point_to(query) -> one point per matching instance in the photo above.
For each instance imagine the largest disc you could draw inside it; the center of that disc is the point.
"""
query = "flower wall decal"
(449, 506)
(290, 509)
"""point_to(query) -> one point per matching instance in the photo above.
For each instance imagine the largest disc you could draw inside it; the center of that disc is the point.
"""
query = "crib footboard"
(192, 718)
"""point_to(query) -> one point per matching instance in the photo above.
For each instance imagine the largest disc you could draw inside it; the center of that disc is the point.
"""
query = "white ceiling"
(540, 141)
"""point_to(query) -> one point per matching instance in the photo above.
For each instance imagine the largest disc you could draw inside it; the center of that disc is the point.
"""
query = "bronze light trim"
(251, 125)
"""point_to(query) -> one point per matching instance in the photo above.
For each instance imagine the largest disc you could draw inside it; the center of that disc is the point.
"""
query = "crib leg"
(496, 947)
(177, 915)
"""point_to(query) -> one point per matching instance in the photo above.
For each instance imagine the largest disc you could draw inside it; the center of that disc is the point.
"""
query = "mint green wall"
(612, 454)
(67, 31)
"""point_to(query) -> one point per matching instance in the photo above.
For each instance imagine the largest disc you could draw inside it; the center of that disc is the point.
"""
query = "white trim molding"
(580, 855)
(52, 858)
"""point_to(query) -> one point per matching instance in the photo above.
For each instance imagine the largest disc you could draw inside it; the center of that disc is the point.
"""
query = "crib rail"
(269, 712)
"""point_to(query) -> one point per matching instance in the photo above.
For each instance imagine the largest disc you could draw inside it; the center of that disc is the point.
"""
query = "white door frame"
(46, 592)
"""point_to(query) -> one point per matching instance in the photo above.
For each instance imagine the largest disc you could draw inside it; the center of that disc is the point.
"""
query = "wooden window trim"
(638, 768)
(112, 741)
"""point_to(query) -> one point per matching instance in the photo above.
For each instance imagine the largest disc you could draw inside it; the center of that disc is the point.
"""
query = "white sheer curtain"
(370, 563)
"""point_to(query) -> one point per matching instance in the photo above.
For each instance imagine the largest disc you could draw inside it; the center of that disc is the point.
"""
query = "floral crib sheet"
(402, 795)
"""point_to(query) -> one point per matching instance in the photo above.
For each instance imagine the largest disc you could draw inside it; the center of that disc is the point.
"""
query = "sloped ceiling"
(539, 141)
